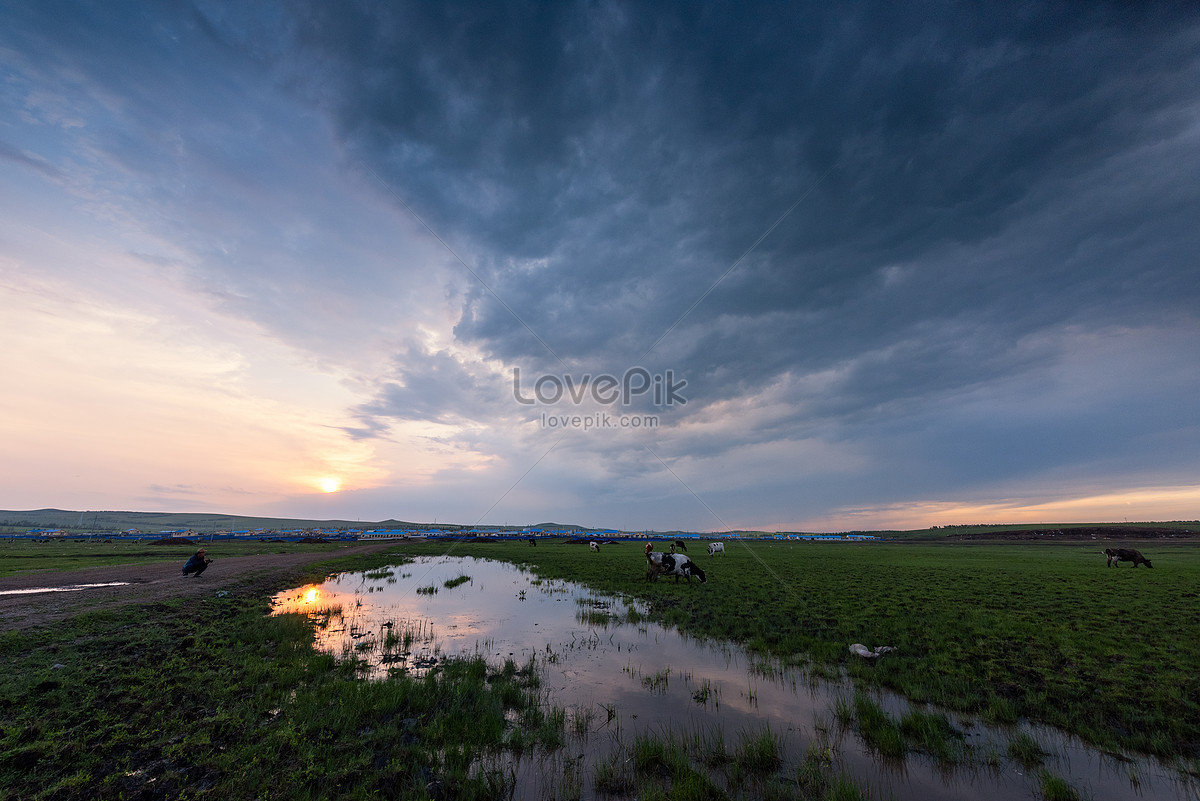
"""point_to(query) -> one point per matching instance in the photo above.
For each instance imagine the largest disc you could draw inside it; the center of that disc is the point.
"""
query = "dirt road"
(149, 583)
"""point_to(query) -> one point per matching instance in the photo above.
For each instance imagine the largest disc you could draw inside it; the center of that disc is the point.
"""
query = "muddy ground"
(260, 574)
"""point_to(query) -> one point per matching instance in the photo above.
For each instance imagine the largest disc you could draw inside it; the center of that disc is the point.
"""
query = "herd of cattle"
(679, 565)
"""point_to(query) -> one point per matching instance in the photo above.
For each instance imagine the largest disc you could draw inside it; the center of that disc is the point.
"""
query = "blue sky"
(927, 264)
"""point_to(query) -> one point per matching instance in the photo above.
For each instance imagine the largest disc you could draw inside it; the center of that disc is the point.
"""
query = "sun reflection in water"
(301, 599)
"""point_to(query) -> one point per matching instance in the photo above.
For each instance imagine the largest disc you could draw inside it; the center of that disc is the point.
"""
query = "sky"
(778, 266)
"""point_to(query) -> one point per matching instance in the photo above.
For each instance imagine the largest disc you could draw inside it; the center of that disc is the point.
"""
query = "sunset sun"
(330, 484)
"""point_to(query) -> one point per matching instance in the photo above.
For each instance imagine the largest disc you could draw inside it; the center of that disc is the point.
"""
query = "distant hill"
(164, 521)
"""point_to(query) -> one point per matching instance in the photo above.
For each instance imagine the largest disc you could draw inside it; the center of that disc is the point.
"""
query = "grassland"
(216, 699)
(1040, 632)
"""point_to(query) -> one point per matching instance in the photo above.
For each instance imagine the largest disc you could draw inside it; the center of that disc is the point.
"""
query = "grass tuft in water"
(758, 753)
(932, 734)
(1055, 788)
(708, 747)
(613, 775)
(816, 779)
(1024, 748)
(877, 729)
(581, 722)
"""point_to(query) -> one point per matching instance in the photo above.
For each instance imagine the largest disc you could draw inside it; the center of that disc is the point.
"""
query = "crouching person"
(196, 564)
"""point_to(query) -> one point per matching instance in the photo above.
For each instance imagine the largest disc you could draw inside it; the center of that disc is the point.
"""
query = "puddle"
(630, 679)
(70, 588)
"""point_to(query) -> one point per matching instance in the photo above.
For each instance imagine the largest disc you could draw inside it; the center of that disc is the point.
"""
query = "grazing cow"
(1116, 555)
(673, 565)
(716, 547)
(595, 546)
(654, 563)
(679, 544)
(533, 542)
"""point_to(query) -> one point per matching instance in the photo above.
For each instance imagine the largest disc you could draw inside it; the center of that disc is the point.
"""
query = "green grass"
(931, 733)
(29, 556)
(1014, 631)
(758, 753)
(1025, 749)
(878, 730)
(219, 699)
(816, 779)
(667, 765)
(1055, 788)
(662, 768)
(917, 730)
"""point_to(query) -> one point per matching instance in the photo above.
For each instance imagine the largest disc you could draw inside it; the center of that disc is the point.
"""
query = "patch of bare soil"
(142, 584)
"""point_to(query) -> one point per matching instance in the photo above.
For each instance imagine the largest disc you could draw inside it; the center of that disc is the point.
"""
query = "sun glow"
(330, 484)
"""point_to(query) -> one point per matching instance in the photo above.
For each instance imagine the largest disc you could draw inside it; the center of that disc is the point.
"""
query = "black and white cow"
(1116, 555)
(715, 548)
(670, 564)
(595, 546)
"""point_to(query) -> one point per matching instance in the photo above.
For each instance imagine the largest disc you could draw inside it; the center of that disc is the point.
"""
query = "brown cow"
(1117, 555)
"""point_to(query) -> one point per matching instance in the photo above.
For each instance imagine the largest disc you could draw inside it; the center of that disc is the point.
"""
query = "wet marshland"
(624, 682)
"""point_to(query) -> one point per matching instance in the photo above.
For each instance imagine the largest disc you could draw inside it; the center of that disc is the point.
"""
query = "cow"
(676, 565)
(1117, 555)
(716, 547)
(679, 544)
(533, 542)
(595, 546)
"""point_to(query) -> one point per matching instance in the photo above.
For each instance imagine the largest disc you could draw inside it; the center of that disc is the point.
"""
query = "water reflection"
(619, 679)
(69, 588)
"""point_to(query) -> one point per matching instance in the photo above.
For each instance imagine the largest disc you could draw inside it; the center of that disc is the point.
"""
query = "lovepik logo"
(604, 389)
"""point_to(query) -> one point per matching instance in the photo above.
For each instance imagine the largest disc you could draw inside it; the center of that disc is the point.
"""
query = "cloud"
(874, 239)
(599, 216)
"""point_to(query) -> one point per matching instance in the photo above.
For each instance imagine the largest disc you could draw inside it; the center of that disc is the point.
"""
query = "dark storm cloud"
(607, 163)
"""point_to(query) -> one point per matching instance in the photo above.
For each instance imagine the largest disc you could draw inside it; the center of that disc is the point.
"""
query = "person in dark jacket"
(197, 563)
